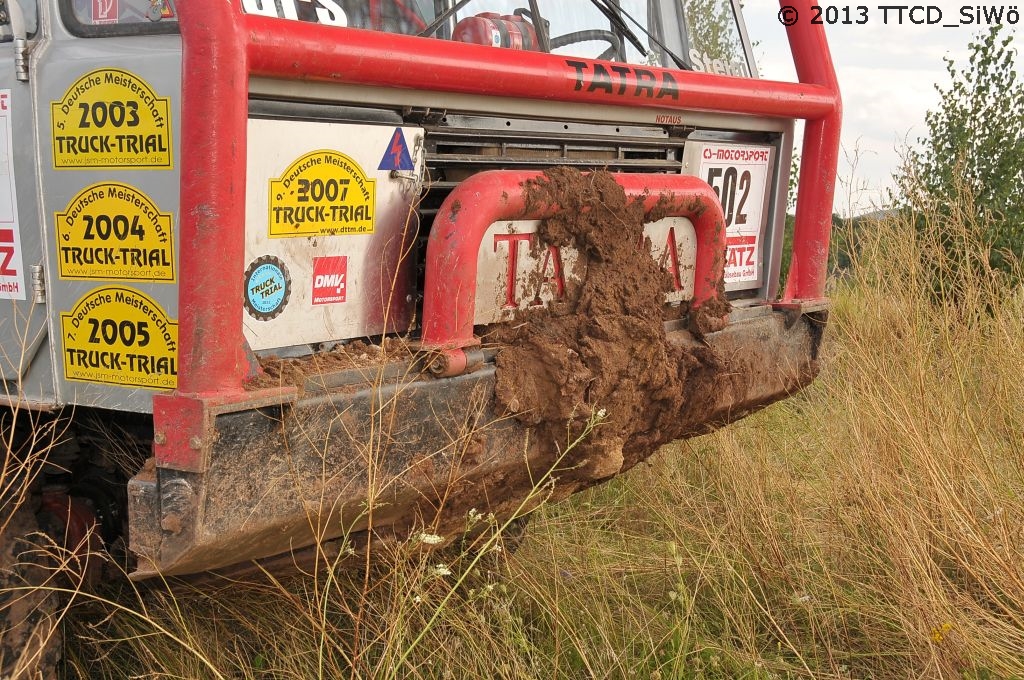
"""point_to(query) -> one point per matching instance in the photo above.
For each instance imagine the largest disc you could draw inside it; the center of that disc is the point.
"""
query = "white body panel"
(348, 270)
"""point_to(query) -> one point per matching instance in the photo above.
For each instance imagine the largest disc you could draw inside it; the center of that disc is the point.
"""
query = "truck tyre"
(30, 641)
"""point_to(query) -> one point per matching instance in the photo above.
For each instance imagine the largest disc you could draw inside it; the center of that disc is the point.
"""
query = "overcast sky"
(887, 74)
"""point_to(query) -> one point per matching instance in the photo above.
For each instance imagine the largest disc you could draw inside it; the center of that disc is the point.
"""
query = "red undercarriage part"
(76, 522)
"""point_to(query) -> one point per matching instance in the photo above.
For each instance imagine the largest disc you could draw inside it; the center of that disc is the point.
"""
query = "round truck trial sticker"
(267, 287)
(111, 118)
(323, 193)
(120, 336)
(114, 232)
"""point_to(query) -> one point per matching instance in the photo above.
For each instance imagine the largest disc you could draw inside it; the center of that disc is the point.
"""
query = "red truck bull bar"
(216, 443)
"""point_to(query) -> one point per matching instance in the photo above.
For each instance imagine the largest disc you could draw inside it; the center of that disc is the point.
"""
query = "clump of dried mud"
(605, 349)
(276, 371)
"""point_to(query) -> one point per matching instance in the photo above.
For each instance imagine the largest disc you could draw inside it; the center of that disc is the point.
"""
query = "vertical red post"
(820, 158)
(214, 115)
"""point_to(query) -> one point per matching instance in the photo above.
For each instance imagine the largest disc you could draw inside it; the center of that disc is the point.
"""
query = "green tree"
(711, 27)
(975, 145)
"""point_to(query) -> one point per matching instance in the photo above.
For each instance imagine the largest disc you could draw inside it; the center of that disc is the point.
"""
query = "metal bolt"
(159, 438)
(195, 443)
(439, 365)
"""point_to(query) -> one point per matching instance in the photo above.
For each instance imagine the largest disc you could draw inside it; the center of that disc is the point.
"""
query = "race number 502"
(729, 183)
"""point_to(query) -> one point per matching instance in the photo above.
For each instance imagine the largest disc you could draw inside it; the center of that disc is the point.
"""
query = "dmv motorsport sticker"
(330, 276)
(114, 232)
(111, 118)
(120, 336)
(267, 287)
(323, 193)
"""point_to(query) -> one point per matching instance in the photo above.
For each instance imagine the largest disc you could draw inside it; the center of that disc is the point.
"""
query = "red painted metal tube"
(449, 298)
(214, 112)
(820, 158)
(292, 50)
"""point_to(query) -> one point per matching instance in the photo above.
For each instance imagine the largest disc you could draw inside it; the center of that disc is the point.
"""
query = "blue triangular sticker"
(397, 156)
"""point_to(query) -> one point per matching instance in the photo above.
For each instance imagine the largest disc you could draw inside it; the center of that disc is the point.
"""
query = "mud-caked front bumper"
(392, 449)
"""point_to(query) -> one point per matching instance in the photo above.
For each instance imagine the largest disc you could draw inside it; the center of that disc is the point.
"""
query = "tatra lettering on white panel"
(515, 271)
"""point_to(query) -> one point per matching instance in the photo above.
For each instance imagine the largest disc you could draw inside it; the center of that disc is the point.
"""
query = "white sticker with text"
(739, 175)
(327, 12)
(12, 272)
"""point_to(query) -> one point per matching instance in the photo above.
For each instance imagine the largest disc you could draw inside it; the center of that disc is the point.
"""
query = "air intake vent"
(464, 145)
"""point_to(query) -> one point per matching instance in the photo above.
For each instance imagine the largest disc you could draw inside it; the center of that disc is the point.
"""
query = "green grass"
(869, 527)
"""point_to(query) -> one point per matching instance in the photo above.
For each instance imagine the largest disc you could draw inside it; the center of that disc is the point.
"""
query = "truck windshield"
(703, 35)
(624, 30)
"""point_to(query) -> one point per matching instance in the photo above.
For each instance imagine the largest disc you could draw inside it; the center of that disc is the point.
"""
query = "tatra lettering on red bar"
(624, 80)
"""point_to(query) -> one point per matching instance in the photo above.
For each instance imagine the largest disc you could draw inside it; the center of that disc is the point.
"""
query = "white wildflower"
(430, 539)
(440, 570)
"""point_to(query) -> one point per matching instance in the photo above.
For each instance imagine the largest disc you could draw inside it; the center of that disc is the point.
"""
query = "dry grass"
(871, 527)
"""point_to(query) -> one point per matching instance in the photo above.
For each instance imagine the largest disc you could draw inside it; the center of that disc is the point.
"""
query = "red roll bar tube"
(817, 183)
(214, 113)
(449, 297)
(224, 48)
